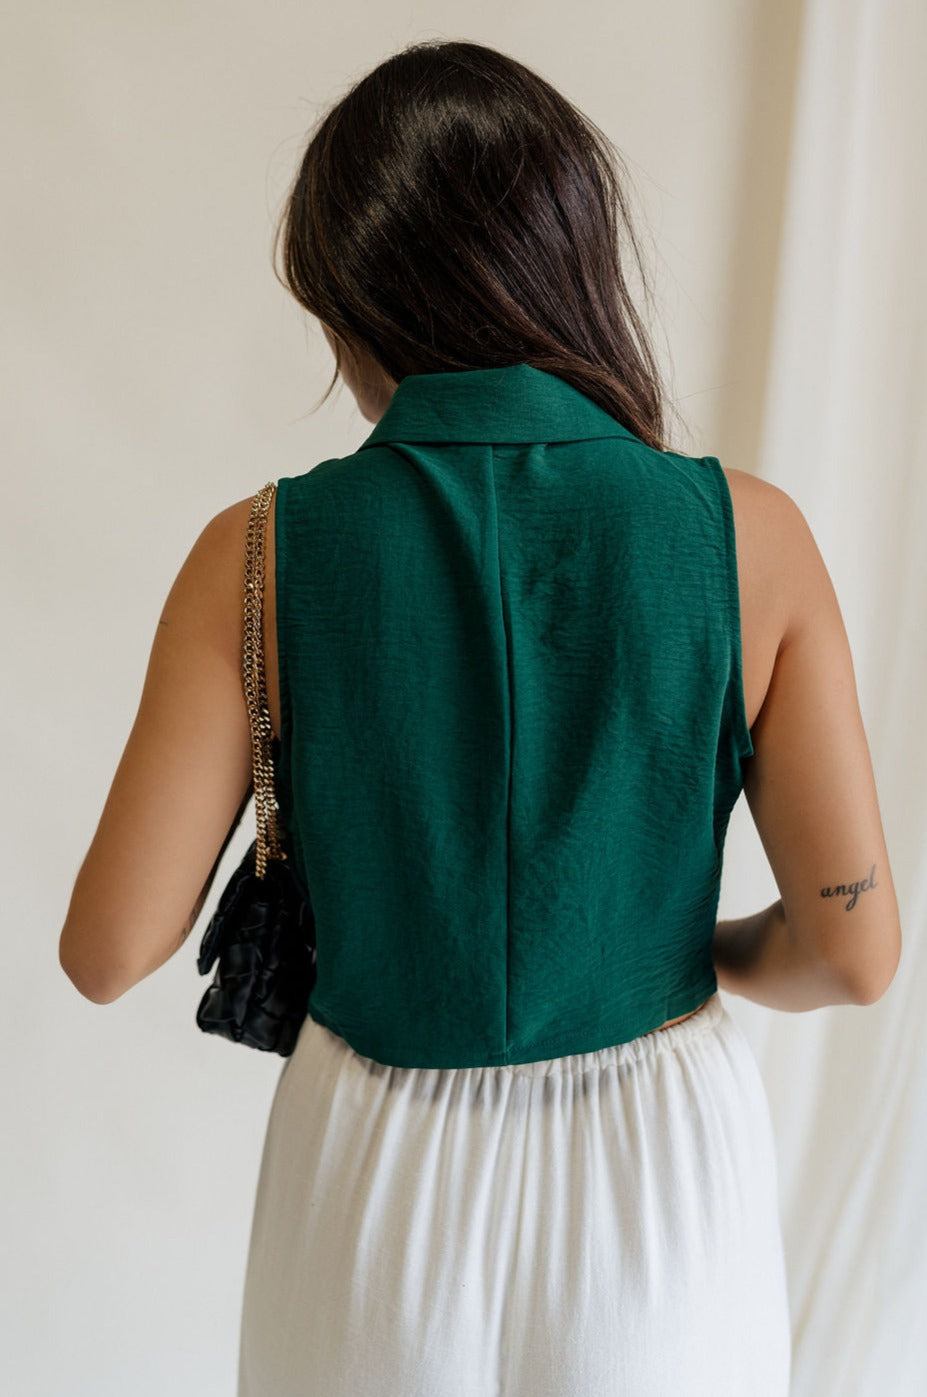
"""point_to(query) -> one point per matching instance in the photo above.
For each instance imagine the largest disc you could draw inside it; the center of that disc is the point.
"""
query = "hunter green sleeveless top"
(512, 727)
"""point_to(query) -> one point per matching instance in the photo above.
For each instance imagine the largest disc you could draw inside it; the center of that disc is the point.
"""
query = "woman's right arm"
(834, 937)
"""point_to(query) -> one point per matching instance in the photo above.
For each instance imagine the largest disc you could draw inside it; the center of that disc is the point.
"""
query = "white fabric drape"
(845, 433)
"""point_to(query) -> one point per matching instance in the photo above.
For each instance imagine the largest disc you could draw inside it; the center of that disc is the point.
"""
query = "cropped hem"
(573, 1047)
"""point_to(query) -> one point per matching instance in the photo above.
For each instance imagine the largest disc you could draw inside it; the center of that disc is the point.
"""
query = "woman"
(520, 675)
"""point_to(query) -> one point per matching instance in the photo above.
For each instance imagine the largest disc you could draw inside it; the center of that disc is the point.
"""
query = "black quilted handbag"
(262, 931)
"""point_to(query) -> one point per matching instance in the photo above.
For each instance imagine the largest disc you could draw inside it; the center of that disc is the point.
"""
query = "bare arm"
(834, 937)
(758, 957)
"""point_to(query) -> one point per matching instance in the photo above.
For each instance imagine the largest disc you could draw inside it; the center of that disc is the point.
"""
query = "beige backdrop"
(157, 372)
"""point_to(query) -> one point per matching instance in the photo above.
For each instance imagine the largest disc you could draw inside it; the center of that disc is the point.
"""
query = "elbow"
(97, 991)
(87, 979)
(876, 982)
(874, 991)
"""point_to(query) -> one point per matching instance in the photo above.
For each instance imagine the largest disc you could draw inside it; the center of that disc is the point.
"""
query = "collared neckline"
(508, 404)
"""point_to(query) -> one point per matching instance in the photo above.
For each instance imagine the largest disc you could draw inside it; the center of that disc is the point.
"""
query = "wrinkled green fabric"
(513, 724)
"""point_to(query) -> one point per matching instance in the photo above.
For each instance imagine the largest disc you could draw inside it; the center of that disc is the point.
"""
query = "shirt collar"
(514, 403)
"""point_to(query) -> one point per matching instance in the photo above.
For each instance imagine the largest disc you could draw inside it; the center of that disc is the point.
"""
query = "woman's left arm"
(182, 783)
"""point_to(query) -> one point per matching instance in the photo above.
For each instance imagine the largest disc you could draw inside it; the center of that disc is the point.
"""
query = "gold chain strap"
(265, 808)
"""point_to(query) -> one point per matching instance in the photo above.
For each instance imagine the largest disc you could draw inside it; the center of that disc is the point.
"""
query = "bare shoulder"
(778, 557)
(779, 576)
(761, 508)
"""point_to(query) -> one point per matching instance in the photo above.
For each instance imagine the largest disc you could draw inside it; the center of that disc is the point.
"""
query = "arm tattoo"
(852, 890)
(197, 907)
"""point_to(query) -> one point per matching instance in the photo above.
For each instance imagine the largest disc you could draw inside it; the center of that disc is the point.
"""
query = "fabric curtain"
(844, 432)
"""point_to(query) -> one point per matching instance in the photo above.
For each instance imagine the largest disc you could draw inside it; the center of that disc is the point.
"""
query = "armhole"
(738, 704)
(283, 763)
(283, 679)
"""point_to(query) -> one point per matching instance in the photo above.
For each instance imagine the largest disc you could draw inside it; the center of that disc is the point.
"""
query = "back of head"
(454, 211)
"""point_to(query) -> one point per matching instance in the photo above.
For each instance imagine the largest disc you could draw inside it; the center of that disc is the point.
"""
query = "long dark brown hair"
(454, 211)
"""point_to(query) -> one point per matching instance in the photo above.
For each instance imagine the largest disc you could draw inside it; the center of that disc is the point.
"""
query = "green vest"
(512, 722)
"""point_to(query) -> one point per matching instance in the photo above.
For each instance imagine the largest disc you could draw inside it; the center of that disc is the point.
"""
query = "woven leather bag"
(262, 931)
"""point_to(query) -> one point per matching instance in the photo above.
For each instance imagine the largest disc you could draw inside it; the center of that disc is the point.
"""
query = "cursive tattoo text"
(843, 889)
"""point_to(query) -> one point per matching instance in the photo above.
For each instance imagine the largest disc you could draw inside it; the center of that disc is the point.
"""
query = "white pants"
(600, 1225)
